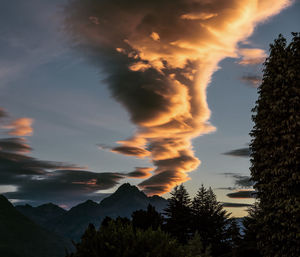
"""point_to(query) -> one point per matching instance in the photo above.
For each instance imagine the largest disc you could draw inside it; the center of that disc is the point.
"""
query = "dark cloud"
(226, 188)
(14, 144)
(240, 180)
(252, 80)
(131, 150)
(243, 194)
(236, 205)
(242, 152)
(64, 186)
(3, 113)
(39, 181)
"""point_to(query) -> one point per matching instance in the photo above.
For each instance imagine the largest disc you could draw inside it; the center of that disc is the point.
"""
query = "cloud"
(236, 205)
(160, 182)
(242, 152)
(14, 145)
(21, 127)
(159, 57)
(140, 172)
(41, 181)
(242, 194)
(18, 127)
(65, 186)
(131, 150)
(252, 80)
(3, 113)
(240, 180)
(252, 56)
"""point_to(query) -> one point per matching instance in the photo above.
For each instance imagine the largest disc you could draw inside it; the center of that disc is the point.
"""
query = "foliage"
(147, 219)
(210, 220)
(248, 245)
(117, 239)
(194, 247)
(275, 151)
(178, 214)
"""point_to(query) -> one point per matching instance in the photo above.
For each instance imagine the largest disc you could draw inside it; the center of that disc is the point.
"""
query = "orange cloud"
(252, 56)
(140, 172)
(160, 57)
(21, 127)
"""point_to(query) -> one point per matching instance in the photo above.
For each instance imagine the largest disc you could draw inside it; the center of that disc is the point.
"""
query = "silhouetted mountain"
(73, 223)
(124, 201)
(43, 214)
(128, 198)
(21, 237)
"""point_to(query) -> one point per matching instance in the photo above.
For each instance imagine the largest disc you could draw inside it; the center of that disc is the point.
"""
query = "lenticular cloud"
(159, 57)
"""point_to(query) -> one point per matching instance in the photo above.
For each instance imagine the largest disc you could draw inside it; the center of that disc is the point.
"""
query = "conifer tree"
(275, 151)
(178, 214)
(147, 219)
(210, 220)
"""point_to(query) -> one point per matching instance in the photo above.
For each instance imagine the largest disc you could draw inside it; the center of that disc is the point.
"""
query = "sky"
(155, 93)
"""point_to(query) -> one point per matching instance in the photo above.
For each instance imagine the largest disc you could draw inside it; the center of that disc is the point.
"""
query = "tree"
(248, 244)
(235, 237)
(117, 238)
(147, 219)
(275, 151)
(178, 214)
(194, 247)
(210, 220)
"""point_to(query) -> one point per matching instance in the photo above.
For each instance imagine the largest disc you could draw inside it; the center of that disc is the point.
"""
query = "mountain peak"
(127, 188)
(125, 194)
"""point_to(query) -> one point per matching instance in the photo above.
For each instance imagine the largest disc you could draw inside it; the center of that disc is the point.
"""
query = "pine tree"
(194, 247)
(210, 220)
(235, 237)
(178, 214)
(147, 219)
(118, 238)
(248, 245)
(275, 151)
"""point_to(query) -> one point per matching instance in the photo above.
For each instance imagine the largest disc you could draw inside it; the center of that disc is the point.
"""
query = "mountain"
(21, 237)
(123, 202)
(74, 222)
(43, 214)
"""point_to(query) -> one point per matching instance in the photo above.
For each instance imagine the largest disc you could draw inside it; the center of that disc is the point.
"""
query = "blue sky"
(43, 77)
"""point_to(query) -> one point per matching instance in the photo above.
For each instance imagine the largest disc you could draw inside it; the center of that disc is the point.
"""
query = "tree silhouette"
(248, 245)
(147, 219)
(178, 214)
(235, 237)
(210, 220)
(275, 151)
(117, 238)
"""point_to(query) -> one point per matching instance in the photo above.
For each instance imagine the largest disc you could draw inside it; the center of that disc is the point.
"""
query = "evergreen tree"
(194, 247)
(178, 214)
(210, 220)
(234, 237)
(248, 244)
(275, 151)
(147, 219)
(117, 238)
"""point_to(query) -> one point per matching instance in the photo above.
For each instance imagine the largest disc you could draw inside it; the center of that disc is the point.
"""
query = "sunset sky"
(95, 93)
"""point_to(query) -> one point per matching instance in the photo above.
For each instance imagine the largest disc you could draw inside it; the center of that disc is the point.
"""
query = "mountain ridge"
(72, 223)
(21, 237)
